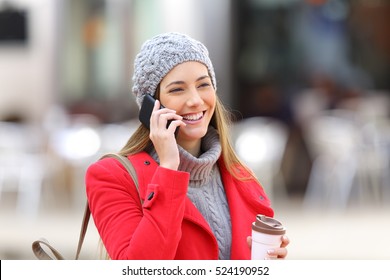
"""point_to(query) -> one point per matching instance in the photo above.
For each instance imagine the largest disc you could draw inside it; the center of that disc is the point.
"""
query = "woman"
(199, 200)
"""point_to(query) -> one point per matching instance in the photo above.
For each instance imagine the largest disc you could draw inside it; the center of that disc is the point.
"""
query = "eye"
(204, 85)
(173, 90)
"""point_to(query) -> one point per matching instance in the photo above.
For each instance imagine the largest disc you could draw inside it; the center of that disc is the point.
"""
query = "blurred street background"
(307, 82)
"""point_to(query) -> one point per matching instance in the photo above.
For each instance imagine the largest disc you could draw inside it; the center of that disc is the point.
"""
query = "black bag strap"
(41, 254)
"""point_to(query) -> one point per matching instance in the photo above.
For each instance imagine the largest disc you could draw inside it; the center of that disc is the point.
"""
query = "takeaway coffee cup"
(266, 234)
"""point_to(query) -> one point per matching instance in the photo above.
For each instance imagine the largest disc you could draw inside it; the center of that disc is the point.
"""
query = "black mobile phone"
(147, 109)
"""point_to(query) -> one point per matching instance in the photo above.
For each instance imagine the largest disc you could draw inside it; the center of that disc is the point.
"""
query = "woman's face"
(188, 90)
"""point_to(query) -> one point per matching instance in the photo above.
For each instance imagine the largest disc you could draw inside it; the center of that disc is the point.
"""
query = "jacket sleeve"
(129, 230)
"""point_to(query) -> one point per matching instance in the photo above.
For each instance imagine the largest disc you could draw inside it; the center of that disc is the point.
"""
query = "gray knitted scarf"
(206, 190)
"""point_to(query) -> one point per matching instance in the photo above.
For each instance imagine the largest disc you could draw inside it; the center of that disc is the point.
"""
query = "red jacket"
(167, 225)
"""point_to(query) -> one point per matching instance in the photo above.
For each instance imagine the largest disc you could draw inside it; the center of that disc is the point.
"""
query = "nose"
(195, 98)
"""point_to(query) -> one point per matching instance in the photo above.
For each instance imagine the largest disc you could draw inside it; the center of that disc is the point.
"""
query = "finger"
(170, 117)
(154, 116)
(279, 253)
(249, 241)
(174, 124)
(285, 241)
(156, 105)
(160, 116)
(165, 111)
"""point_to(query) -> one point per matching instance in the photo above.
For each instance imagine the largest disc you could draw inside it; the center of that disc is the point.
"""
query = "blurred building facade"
(79, 54)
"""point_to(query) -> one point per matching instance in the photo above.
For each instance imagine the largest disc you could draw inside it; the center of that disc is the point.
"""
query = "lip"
(193, 121)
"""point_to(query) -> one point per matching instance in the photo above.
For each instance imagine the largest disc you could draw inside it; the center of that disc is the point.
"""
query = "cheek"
(171, 103)
(211, 100)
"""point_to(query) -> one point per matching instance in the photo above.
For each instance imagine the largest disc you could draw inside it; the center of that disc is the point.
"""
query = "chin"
(195, 134)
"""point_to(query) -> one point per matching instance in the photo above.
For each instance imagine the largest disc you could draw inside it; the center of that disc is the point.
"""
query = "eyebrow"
(182, 82)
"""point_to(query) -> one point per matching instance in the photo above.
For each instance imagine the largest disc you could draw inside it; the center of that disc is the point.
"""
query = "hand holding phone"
(147, 109)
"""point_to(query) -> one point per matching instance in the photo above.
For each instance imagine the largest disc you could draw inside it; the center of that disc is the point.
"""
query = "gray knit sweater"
(206, 190)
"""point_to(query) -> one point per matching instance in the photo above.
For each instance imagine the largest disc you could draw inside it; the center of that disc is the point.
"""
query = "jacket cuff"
(168, 186)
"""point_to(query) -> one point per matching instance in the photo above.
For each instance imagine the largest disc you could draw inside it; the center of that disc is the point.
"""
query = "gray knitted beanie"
(159, 55)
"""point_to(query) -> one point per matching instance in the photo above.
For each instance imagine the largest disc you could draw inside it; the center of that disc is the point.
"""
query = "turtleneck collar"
(200, 167)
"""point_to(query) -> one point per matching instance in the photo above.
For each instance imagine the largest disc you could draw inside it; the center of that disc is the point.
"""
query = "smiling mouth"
(193, 117)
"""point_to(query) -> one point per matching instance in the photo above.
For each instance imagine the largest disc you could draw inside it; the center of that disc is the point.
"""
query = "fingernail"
(270, 251)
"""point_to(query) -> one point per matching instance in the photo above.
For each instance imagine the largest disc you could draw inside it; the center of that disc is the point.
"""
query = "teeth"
(193, 117)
